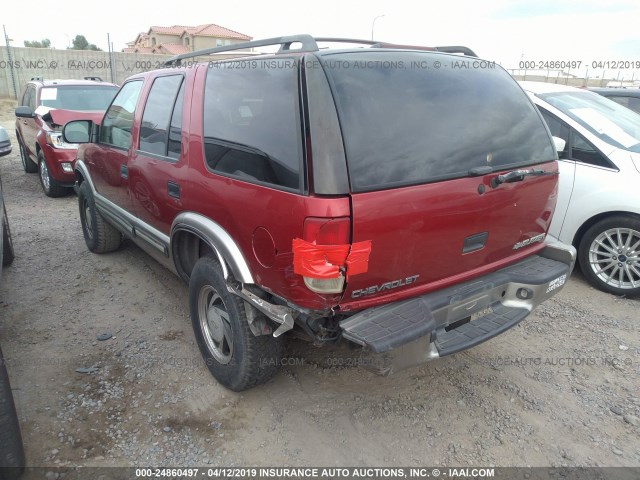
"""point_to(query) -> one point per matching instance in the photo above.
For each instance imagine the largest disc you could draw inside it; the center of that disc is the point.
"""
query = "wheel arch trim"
(81, 170)
(592, 220)
(216, 237)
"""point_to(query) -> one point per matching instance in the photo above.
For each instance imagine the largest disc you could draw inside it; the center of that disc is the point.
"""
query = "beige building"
(179, 39)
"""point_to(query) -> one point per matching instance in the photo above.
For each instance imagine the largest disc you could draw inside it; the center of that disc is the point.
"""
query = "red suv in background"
(394, 198)
(46, 105)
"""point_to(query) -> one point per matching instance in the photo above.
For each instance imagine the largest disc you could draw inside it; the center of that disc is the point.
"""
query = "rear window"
(407, 122)
(79, 97)
(251, 123)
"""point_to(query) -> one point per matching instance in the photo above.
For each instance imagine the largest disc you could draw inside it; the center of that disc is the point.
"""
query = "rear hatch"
(425, 135)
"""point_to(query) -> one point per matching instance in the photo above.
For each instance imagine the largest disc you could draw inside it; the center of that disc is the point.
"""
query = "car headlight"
(55, 140)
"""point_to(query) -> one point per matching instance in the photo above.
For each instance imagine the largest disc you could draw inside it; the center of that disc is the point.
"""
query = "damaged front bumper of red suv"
(411, 332)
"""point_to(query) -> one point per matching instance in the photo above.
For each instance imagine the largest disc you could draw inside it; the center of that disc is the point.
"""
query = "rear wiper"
(518, 176)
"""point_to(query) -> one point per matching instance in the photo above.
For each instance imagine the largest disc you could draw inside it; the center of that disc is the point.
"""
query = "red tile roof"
(205, 30)
(172, 48)
(172, 30)
(213, 30)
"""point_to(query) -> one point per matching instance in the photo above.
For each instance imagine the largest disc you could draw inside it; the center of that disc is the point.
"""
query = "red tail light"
(327, 231)
(326, 255)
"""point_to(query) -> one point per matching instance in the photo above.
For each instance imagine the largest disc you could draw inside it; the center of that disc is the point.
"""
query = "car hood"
(58, 116)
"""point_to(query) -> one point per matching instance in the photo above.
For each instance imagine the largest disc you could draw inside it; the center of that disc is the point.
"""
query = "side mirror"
(5, 143)
(560, 144)
(24, 112)
(77, 131)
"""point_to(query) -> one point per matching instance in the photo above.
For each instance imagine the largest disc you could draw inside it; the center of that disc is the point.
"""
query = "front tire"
(99, 235)
(27, 164)
(235, 357)
(11, 450)
(609, 255)
(50, 188)
(8, 254)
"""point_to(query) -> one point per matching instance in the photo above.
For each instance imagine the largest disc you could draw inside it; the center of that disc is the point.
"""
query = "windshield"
(78, 97)
(610, 122)
(406, 122)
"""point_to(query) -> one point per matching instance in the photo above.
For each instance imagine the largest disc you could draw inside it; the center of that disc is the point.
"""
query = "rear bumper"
(433, 325)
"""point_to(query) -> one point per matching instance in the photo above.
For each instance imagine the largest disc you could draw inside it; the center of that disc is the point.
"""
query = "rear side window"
(162, 109)
(407, 122)
(117, 122)
(251, 123)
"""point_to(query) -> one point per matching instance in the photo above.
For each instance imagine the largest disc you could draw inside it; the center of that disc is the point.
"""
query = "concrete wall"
(69, 64)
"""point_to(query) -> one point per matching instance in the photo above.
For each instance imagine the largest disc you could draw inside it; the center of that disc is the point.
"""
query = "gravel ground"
(560, 389)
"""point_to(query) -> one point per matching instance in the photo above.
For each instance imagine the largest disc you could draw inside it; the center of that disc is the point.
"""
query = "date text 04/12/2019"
(577, 64)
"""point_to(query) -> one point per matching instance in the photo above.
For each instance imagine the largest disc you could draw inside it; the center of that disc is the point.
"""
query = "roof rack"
(457, 49)
(95, 79)
(307, 44)
(37, 79)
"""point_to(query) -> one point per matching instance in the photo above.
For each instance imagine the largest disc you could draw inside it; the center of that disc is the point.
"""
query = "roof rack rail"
(308, 45)
(457, 49)
(346, 40)
(95, 79)
(36, 79)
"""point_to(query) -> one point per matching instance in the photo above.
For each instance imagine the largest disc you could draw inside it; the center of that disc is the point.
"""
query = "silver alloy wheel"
(44, 175)
(614, 257)
(88, 219)
(215, 324)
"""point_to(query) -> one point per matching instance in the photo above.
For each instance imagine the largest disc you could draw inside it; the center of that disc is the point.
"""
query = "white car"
(598, 208)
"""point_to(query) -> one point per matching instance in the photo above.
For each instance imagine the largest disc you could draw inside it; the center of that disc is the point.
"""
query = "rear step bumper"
(494, 303)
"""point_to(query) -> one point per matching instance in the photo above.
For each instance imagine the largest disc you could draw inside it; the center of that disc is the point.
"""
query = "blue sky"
(500, 30)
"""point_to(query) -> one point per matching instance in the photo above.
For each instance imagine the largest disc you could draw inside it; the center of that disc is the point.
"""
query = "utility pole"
(11, 72)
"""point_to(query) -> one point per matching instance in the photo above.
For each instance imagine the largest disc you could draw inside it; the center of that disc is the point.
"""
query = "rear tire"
(99, 235)
(49, 186)
(27, 164)
(11, 449)
(609, 255)
(235, 357)
(7, 242)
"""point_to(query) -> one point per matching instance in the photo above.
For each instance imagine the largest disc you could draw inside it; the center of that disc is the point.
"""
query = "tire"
(609, 255)
(11, 449)
(49, 186)
(235, 357)
(27, 164)
(99, 235)
(7, 243)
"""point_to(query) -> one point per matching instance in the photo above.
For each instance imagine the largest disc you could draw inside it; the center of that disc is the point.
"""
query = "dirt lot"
(562, 388)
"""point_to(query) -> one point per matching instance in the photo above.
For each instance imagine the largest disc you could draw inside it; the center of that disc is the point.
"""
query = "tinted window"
(557, 129)
(405, 123)
(117, 122)
(251, 128)
(583, 151)
(577, 147)
(72, 97)
(154, 129)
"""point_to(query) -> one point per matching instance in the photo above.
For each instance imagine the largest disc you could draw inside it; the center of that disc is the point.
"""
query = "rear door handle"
(173, 189)
(124, 171)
